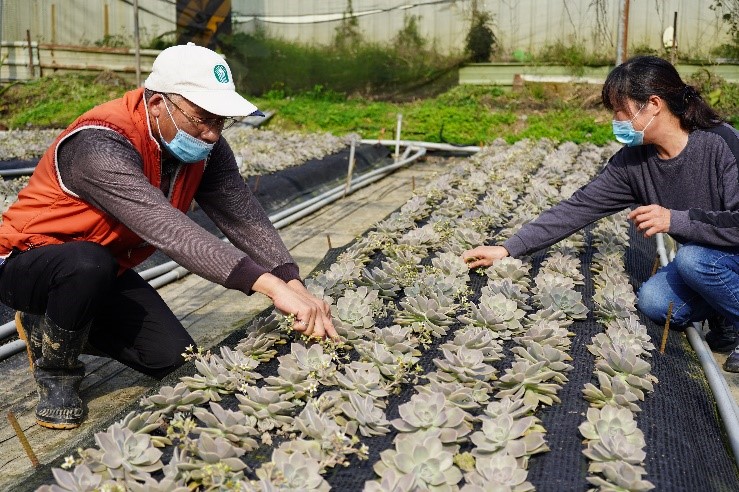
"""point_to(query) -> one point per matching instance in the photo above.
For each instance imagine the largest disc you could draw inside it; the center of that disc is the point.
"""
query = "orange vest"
(47, 214)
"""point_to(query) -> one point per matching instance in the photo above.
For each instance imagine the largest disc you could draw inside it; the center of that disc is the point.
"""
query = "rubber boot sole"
(53, 425)
(23, 336)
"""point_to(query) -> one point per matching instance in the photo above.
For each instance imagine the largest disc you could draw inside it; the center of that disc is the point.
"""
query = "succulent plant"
(497, 313)
(291, 472)
(213, 380)
(391, 481)
(566, 300)
(625, 363)
(240, 365)
(546, 280)
(611, 390)
(336, 278)
(611, 420)
(426, 311)
(511, 268)
(450, 264)
(553, 357)
(479, 338)
(527, 381)
(549, 314)
(615, 446)
(315, 424)
(381, 281)
(516, 408)
(123, 455)
(622, 338)
(146, 423)
(215, 463)
(464, 397)
(358, 307)
(510, 290)
(237, 427)
(166, 484)
(546, 332)
(619, 476)
(466, 366)
(82, 479)
(432, 411)
(317, 364)
(514, 436)
(396, 367)
(263, 334)
(270, 408)
(499, 471)
(425, 458)
(364, 379)
(564, 265)
(614, 301)
(361, 415)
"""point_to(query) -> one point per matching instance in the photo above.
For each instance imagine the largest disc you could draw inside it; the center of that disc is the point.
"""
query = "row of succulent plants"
(614, 443)
(395, 293)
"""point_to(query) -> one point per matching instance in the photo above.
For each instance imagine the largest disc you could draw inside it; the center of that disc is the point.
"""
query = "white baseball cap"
(202, 77)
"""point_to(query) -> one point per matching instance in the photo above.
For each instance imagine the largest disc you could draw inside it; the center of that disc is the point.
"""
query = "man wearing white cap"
(113, 188)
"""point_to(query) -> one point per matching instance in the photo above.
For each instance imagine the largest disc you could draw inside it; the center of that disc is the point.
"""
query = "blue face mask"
(184, 146)
(625, 132)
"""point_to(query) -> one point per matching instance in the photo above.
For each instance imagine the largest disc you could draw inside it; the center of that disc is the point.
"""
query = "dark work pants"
(76, 283)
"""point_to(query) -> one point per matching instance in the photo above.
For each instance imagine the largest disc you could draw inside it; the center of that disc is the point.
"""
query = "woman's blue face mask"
(625, 132)
(184, 146)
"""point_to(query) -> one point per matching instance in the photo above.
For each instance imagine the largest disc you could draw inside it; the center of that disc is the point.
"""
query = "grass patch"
(467, 115)
(54, 102)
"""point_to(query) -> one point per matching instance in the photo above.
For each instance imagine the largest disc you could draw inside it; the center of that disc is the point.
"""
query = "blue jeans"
(700, 281)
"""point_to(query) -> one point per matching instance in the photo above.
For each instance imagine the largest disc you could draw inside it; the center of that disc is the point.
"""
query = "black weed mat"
(280, 189)
(687, 449)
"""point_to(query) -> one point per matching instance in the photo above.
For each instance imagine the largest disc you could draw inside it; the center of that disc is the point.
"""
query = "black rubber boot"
(30, 330)
(722, 336)
(58, 376)
(732, 363)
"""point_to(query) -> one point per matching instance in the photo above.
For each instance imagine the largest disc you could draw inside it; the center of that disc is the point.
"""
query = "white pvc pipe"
(472, 149)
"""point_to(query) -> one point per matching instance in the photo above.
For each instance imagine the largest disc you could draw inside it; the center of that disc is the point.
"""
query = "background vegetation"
(360, 87)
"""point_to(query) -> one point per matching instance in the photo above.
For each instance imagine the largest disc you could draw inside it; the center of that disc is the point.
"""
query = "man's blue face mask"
(184, 146)
(625, 132)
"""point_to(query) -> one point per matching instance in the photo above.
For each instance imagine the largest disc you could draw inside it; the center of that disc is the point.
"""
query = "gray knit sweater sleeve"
(608, 193)
(700, 188)
(104, 169)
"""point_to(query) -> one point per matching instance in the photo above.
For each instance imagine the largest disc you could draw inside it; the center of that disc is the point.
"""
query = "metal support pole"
(623, 31)
(351, 168)
(673, 53)
(30, 54)
(137, 41)
(397, 137)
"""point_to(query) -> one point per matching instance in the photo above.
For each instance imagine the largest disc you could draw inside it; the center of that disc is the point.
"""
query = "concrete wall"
(83, 22)
(525, 25)
(519, 24)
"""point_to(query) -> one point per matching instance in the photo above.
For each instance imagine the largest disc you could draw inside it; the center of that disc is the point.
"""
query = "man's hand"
(312, 315)
(651, 219)
(484, 256)
(323, 316)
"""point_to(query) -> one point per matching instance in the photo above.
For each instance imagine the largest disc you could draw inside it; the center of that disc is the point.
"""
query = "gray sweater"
(700, 187)
(103, 168)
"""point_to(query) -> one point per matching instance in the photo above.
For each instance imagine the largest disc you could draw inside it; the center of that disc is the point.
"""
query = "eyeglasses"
(219, 123)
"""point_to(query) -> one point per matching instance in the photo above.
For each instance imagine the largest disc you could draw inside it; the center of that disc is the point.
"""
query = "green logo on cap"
(221, 74)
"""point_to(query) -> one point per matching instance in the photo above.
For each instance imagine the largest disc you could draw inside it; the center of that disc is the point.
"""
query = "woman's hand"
(651, 219)
(484, 256)
(312, 315)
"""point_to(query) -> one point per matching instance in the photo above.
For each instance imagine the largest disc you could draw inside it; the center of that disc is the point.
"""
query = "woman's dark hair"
(643, 76)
